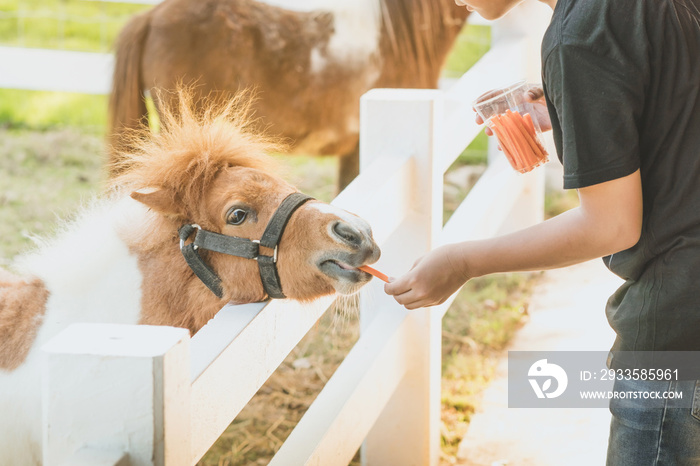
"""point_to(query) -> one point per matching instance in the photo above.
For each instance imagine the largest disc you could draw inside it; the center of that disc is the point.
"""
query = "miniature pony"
(122, 259)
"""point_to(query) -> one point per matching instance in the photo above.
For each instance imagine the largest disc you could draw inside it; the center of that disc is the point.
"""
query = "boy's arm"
(608, 220)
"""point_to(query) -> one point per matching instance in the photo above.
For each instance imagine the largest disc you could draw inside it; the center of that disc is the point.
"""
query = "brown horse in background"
(309, 61)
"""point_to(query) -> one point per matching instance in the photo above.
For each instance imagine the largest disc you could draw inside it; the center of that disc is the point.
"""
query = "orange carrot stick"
(518, 138)
(530, 124)
(375, 272)
(528, 153)
(503, 136)
(498, 132)
(519, 151)
(532, 133)
(529, 138)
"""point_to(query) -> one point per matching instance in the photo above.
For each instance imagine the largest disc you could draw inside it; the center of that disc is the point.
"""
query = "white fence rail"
(153, 396)
(55, 70)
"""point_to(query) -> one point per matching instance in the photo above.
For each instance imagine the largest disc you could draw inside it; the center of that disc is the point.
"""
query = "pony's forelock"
(197, 139)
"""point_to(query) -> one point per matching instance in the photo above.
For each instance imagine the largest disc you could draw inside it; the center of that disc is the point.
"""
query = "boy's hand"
(432, 279)
(536, 95)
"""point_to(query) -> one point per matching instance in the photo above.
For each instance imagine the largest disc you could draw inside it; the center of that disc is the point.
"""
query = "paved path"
(567, 313)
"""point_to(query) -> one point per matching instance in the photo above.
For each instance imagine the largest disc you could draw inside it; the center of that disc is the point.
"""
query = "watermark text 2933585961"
(586, 379)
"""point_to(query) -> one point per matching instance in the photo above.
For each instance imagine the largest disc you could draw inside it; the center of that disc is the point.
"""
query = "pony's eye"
(236, 216)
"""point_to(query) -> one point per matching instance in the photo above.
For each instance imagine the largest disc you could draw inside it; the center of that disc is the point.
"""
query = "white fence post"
(117, 390)
(407, 123)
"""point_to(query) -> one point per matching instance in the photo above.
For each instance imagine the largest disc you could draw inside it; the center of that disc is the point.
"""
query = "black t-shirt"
(622, 83)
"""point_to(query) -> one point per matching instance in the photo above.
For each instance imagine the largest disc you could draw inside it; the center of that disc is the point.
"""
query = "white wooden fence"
(138, 395)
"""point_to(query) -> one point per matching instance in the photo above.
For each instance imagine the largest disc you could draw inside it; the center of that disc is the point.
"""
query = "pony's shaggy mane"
(193, 145)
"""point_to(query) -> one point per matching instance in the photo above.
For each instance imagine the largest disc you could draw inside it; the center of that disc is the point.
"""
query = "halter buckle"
(182, 241)
(274, 251)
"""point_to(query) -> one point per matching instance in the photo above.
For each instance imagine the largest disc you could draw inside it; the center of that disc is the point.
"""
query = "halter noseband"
(241, 247)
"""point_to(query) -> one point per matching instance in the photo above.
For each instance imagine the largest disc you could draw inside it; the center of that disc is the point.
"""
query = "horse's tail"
(127, 105)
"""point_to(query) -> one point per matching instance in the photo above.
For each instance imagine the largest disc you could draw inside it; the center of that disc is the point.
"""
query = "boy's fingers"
(480, 121)
(411, 300)
(397, 287)
(418, 304)
(535, 93)
(407, 298)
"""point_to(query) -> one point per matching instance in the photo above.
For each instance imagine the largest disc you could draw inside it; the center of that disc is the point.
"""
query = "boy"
(622, 88)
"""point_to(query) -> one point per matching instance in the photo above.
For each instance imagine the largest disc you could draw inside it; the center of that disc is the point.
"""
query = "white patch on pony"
(91, 277)
(357, 26)
(89, 260)
(318, 61)
(342, 214)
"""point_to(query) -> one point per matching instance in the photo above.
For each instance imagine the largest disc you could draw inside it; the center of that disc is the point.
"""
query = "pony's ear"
(163, 201)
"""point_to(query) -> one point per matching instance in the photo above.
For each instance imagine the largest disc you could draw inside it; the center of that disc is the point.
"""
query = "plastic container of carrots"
(509, 115)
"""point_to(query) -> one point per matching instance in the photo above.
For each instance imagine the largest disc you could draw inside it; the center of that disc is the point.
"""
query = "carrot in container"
(521, 146)
(530, 125)
(514, 140)
(534, 155)
(509, 114)
(506, 149)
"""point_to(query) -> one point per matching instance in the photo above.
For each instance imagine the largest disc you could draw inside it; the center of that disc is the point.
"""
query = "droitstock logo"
(541, 375)
(593, 379)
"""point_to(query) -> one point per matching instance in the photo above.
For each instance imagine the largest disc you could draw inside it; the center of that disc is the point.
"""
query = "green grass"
(472, 44)
(43, 177)
(59, 24)
(64, 24)
(42, 110)
(477, 152)
(557, 202)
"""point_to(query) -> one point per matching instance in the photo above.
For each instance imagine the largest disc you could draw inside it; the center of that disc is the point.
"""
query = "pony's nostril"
(347, 233)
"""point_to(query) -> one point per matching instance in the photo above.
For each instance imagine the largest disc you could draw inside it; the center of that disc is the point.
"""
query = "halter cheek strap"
(241, 247)
(271, 239)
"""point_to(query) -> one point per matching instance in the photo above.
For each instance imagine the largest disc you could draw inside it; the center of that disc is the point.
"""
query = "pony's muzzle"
(357, 237)
(348, 234)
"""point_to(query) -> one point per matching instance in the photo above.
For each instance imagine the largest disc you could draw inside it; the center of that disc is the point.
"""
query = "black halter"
(241, 247)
